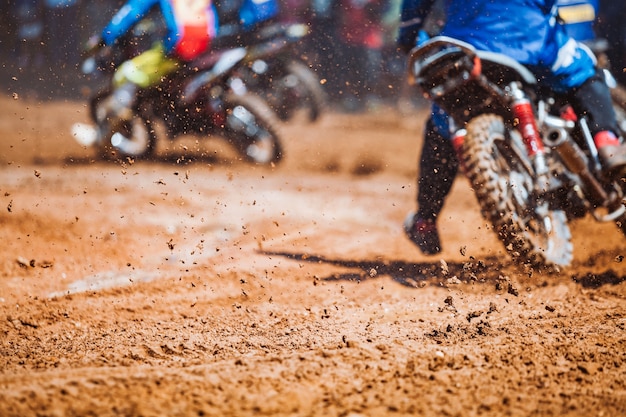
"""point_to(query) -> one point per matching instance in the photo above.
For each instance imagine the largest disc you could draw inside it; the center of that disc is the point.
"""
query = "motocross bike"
(274, 72)
(204, 97)
(532, 163)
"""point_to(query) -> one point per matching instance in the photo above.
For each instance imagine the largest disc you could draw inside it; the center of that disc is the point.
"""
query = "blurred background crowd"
(351, 46)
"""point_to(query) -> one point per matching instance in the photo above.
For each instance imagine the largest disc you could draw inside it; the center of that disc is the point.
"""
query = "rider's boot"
(423, 233)
(612, 154)
(438, 167)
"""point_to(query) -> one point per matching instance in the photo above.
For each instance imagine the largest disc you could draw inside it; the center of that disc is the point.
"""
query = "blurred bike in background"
(275, 38)
(274, 71)
(205, 97)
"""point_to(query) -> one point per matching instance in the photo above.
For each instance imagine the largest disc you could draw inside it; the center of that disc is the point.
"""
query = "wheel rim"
(500, 172)
(262, 150)
(535, 216)
(132, 138)
(260, 147)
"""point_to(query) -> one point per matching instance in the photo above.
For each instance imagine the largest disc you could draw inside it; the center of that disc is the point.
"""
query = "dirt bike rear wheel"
(121, 139)
(251, 127)
(493, 157)
(314, 96)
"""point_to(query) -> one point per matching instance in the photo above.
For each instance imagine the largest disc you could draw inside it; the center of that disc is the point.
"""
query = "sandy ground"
(200, 285)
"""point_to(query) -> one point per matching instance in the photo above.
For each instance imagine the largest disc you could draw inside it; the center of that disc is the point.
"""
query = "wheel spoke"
(502, 179)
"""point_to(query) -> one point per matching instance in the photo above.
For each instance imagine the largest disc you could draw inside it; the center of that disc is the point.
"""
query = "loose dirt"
(197, 284)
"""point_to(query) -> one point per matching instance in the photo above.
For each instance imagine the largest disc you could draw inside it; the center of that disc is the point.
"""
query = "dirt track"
(199, 285)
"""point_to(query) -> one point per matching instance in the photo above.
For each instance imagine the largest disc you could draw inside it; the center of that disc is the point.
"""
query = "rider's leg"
(437, 170)
(143, 71)
(593, 100)
(574, 74)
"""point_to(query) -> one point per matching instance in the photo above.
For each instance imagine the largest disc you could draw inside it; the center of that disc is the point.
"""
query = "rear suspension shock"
(525, 118)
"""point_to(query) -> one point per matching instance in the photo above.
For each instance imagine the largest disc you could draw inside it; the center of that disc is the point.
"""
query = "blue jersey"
(511, 27)
(253, 12)
(190, 24)
(578, 17)
(525, 30)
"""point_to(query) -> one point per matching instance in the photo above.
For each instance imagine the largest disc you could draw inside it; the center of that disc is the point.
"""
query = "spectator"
(611, 18)
(579, 18)
(359, 58)
(61, 33)
(29, 35)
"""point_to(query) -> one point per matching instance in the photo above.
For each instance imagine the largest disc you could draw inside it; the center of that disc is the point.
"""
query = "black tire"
(493, 160)
(134, 138)
(251, 127)
(314, 95)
